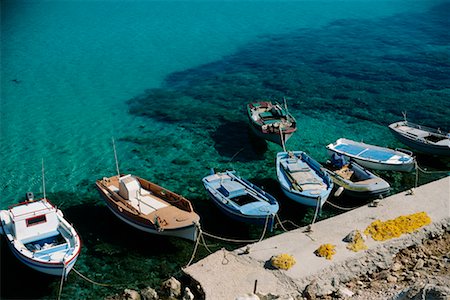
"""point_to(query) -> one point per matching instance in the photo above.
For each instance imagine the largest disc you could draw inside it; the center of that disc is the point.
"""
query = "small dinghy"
(271, 121)
(355, 180)
(302, 179)
(149, 207)
(421, 138)
(373, 157)
(40, 237)
(240, 199)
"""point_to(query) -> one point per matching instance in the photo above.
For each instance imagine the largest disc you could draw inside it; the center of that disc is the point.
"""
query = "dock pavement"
(228, 274)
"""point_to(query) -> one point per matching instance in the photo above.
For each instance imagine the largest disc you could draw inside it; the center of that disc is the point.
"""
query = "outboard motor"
(338, 160)
(29, 196)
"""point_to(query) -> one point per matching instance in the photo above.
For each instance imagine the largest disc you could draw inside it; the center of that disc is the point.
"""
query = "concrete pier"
(227, 274)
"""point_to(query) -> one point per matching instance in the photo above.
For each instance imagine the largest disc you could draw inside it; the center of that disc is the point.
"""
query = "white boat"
(40, 237)
(355, 180)
(303, 179)
(149, 207)
(373, 157)
(422, 138)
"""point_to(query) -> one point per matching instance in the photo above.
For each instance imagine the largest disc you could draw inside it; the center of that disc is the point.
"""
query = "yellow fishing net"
(358, 243)
(381, 231)
(283, 261)
(326, 250)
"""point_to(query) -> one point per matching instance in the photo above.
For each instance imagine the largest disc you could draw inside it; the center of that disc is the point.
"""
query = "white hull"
(189, 233)
(44, 267)
(304, 200)
(40, 249)
(373, 157)
(378, 165)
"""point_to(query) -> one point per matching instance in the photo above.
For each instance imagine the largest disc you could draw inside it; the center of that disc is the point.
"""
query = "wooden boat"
(149, 207)
(303, 179)
(240, 199)
(373, 157)
(355, 180)
(271, 121)
(40, 237)
(422, 138)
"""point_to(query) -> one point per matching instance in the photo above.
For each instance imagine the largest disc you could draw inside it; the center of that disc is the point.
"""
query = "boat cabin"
(35, 225)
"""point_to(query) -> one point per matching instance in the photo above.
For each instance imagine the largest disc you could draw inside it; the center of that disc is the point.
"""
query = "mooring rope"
(340, 207)
(286, 221)
(195, 247)
(316, 212)
(62, 281)
(202, 234)
(92, 281)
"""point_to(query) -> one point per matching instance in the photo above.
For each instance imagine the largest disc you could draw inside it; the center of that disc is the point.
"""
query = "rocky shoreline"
(414, 266)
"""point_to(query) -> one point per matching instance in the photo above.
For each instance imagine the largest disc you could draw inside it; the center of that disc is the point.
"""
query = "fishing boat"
(303, 179)
(240, 199)
(271, 121)
(373, 157)
(40, 237)
(149, 207)
(421, 138)
(355, 180)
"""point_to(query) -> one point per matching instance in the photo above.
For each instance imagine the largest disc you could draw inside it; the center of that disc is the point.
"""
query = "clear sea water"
(169, 80)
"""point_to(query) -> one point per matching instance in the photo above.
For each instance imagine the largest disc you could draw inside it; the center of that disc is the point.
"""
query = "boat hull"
(238, 216)
(55, 269)
(420, 145)
(355, 190)
(57, 260)
(377, 165)
(276, 127)
(272, 137)
(303, 197)
(373, 157)
(189, 232)
(305, 200)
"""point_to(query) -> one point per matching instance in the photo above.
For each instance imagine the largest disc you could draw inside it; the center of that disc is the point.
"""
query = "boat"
(373, 157)
(149, 207)
(240, 199)
(355, 180)
(303, 179)
(40, 237)
(271, 121)
(421, 138)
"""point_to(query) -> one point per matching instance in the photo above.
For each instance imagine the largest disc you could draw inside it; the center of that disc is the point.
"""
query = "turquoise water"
(169, 81)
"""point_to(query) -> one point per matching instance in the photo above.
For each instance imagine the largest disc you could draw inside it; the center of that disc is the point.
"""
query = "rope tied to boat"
(94, 282)
(342, 208)
(418, 168)
(201, 240)
(63, 276)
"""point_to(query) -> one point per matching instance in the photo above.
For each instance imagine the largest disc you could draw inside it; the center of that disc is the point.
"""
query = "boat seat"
(293, 166)
(345, 172)
(266, 114)
(231, 189)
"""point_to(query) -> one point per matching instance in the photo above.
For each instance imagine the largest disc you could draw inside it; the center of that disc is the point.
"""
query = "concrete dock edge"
(227, 274)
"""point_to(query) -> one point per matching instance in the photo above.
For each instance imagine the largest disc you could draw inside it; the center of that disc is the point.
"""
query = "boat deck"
(152, 208)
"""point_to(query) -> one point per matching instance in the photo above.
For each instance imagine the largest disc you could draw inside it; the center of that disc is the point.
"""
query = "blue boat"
(303, 179)
(374, 157)
(240, 199)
